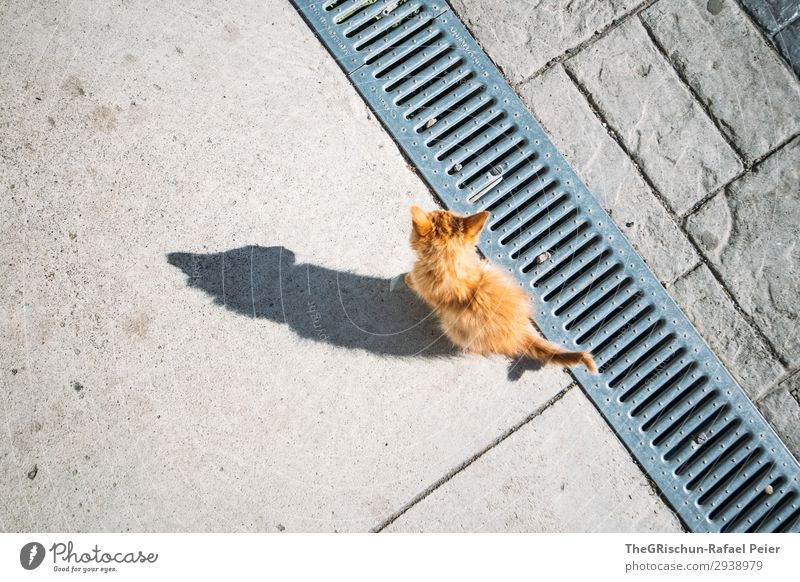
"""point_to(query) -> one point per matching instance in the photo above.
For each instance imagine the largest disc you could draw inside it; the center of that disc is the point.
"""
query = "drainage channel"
(660, 387)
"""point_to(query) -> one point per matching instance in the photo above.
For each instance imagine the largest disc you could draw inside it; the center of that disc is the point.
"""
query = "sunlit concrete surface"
(200, 224)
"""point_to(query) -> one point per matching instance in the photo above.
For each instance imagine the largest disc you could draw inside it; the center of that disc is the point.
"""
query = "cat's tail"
(541, 349)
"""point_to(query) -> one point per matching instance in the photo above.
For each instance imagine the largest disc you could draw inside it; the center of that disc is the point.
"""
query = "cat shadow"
(518, 366)
(320, 304)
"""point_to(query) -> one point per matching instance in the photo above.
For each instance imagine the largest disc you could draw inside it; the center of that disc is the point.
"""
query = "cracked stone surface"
(538, 491)
(658, 120)
(712, 312)
(522, 36)
(782, 409)
(602, 165)
(739, 78)
(749, 233)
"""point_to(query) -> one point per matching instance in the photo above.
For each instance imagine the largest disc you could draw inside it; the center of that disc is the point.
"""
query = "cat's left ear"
(474, 223)
(422, 224)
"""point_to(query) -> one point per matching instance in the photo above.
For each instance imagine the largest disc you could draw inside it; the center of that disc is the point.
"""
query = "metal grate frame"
(660, 387)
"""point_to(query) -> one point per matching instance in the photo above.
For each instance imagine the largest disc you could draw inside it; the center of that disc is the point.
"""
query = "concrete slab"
(167, 169)
(564, 471)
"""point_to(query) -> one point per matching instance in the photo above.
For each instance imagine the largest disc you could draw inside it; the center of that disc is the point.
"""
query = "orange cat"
(481, 308)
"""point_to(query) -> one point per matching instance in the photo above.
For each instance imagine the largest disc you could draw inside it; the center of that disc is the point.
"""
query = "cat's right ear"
(422, 224)
(474, 223)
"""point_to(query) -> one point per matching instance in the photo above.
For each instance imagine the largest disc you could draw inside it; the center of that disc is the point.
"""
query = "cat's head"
(442, 229)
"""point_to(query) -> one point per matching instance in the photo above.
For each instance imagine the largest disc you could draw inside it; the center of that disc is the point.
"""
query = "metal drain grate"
(663, 391)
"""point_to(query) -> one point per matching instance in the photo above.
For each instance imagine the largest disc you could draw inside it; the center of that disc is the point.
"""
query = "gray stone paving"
(683, 119)
(780, 20)
(744, 353)
(788, 41)
(662, 126)
(740, 79)
(522, 37)
(772, 14)
(749, 233)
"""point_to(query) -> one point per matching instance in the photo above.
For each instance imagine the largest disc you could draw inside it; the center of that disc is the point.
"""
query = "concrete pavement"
(201, 220)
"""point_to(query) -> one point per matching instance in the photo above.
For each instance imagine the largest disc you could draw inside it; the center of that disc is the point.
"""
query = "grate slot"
(751, 481)
(393, 33)
(597, 285)
(790, 524)
(362, 17)
(508, 194)
(754, 511)
(577, 269)
(715, 441)
(400, 55)
(525, 202)
(628, 326)
(601, 304)
(657, 393)
(727, 457)
(426, 73)
(416, 59)
(466, 133)
(673, 402)
(672, 424)
(606, 317)
(751, 458)
(470, 104)
(420, 100)
(638, 359)
(690, 433)
(562, 253)
(652, 369)
(476, 144)
(507, 146)
(509, 169)
(777, 517)
(629, 337)
(556, 214)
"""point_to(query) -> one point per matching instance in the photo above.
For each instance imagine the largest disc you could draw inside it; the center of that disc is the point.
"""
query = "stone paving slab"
(732, 70)
(662, 126)
(743, 352)
(167, 167)
(749, 233)
(611, 176)
(788, 42)
(770, 14)
(550, 476)
(522, 36)
(782, 409)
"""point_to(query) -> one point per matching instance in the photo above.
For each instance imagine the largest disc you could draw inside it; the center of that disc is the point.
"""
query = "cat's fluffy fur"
(481, 308)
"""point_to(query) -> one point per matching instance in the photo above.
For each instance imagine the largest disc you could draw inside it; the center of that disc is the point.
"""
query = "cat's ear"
(422, 224)
(474, 223)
